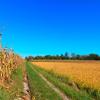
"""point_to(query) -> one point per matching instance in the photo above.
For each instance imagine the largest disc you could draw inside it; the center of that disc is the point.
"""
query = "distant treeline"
(65, 56)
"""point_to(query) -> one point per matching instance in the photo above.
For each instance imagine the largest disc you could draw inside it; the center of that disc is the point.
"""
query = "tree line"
(65, 56)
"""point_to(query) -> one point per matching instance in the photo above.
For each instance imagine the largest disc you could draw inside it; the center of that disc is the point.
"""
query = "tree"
(93, 57)
(66, 55)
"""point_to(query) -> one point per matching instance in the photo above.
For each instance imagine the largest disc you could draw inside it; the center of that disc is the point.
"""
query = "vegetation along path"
(41, 88)
(64, 97)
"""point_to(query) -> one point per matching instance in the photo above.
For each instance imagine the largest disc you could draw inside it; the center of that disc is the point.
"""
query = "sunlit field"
(86, 73)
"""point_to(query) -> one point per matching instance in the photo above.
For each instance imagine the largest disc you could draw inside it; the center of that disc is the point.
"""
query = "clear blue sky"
(34, 27)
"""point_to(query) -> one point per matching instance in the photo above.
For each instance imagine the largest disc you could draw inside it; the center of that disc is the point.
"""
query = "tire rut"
(63, 96)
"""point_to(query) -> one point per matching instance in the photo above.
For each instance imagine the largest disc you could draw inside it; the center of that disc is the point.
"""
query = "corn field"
(8, 62)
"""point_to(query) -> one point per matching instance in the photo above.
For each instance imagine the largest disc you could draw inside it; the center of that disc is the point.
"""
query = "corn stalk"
(8, 62)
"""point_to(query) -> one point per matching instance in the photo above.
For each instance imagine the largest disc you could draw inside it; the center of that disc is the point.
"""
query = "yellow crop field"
(84, 72)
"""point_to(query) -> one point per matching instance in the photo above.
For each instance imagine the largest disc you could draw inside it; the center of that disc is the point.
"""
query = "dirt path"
(27, 91)
(26, 88)
(64, 97)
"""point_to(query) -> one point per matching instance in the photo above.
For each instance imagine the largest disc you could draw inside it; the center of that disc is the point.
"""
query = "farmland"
(48, 80)
(42, 82)
(87, 72)
(84, 73)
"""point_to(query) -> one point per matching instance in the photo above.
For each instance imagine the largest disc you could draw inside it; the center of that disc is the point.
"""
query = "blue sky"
(40, 27)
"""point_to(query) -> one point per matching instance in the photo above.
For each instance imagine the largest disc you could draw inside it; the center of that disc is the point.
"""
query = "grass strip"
(38, 87)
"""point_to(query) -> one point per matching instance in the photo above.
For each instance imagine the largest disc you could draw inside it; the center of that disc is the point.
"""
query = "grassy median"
(38, 87)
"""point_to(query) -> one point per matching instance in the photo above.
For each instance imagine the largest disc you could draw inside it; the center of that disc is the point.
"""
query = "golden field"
(83, 72)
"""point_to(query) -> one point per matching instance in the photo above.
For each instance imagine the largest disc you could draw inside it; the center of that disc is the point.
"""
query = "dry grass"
(84, 72)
